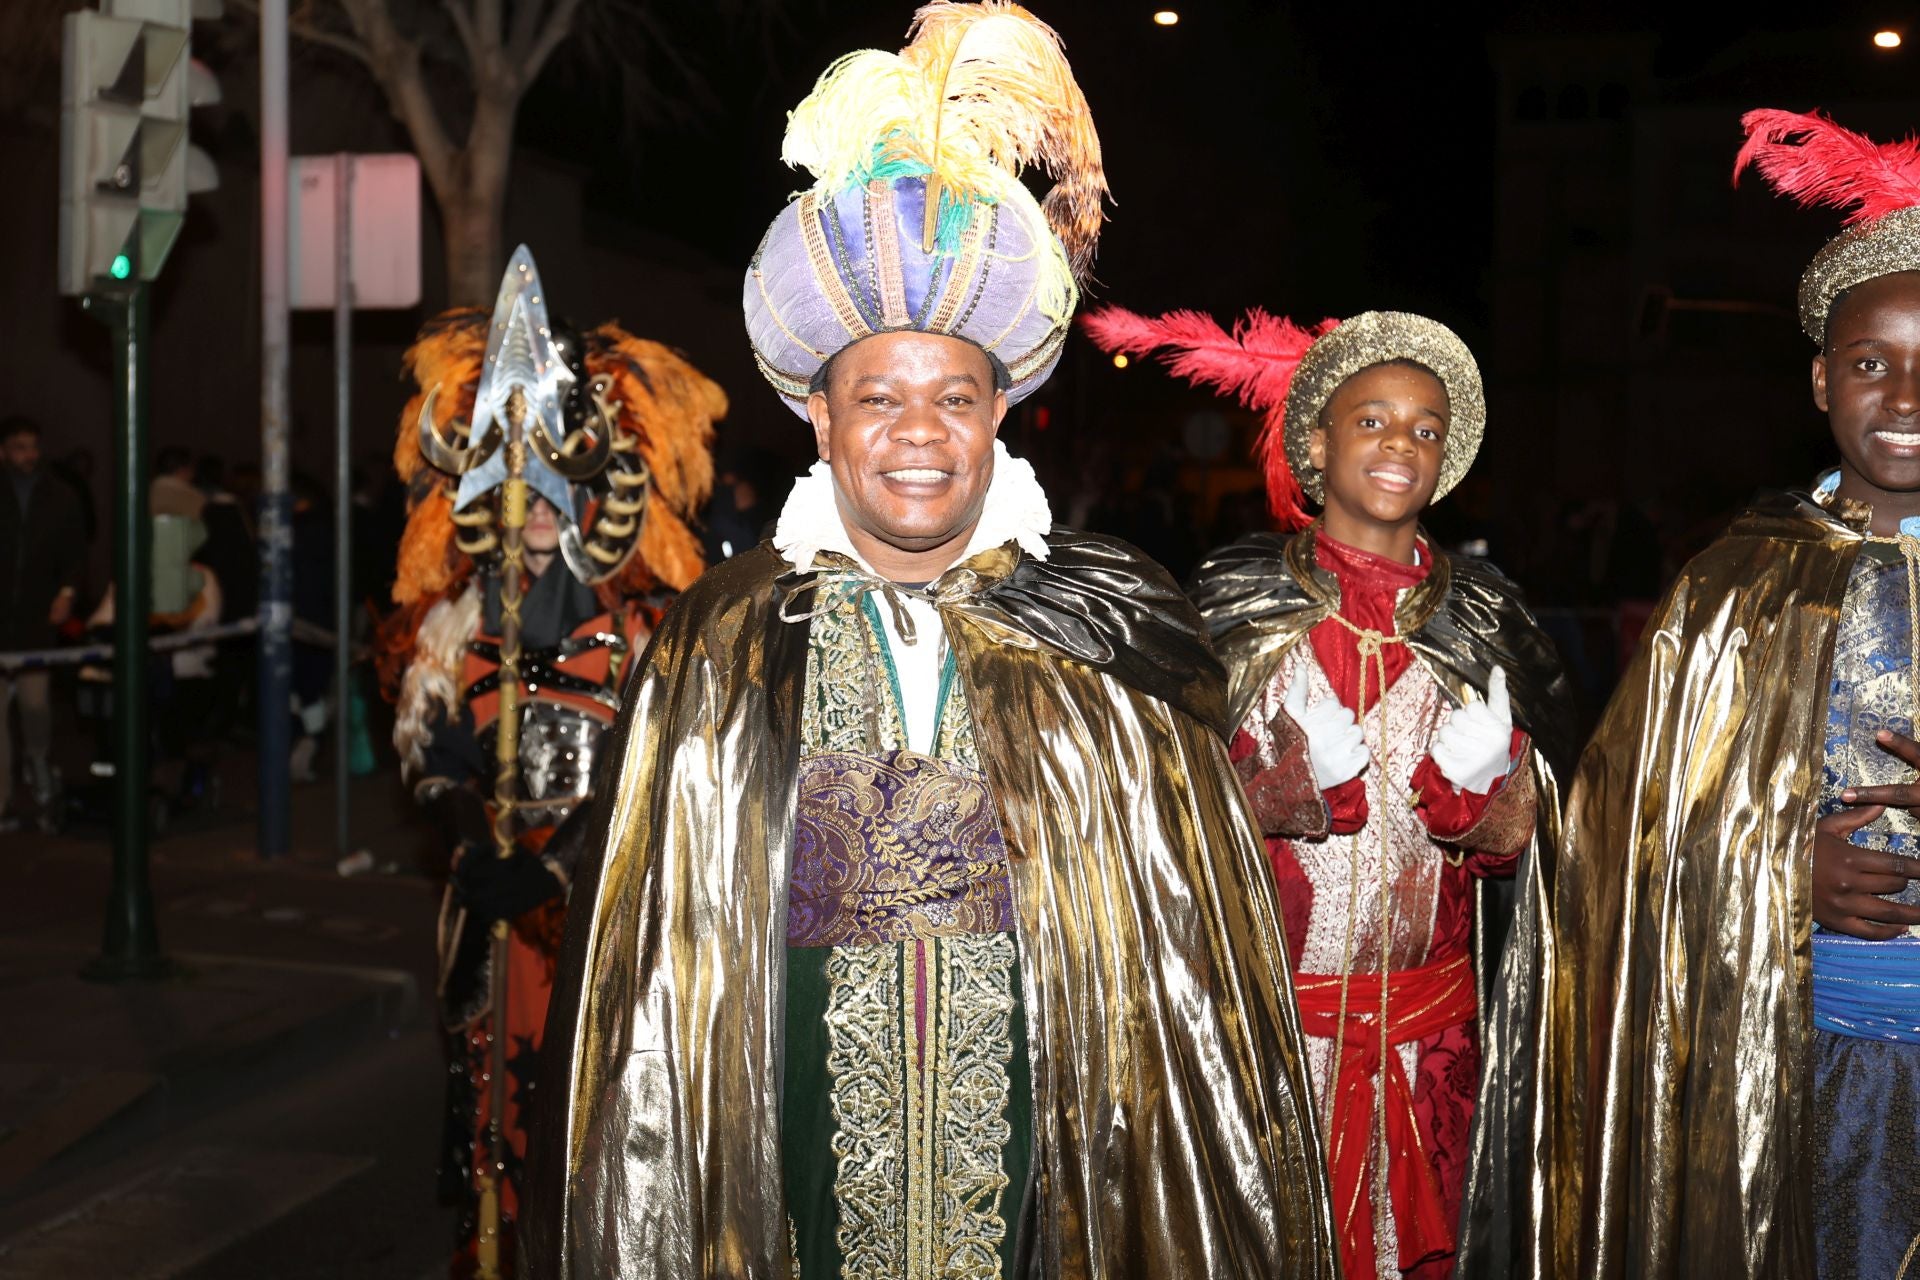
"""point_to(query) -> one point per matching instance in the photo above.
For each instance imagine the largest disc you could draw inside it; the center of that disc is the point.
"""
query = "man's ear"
(822, 425)
(999, 410)
(1820, 382)
(1317, 448)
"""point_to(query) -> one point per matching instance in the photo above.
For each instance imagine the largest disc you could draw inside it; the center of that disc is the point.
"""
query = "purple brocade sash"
(894, 847)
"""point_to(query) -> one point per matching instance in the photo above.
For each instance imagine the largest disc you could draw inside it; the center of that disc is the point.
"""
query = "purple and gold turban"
(917, 219)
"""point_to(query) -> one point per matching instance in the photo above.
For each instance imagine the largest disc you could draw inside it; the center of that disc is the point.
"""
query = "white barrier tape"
(71, 655)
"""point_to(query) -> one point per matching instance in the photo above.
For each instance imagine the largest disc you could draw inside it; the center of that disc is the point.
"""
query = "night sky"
(1318, 158)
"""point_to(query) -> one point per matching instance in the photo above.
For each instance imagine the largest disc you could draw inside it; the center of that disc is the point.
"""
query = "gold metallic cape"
(1172, 1116)
(1680, 1014)
(1260, 597)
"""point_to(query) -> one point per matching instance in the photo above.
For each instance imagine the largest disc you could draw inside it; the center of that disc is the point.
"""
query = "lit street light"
(1887, 39)
(1167, 18)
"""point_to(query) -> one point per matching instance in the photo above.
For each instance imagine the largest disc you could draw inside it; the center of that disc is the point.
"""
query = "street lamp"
(1165, 18)
(1886, 39)
(1120, 360)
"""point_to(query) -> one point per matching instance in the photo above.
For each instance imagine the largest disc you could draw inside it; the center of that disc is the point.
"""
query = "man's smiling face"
(907, 422)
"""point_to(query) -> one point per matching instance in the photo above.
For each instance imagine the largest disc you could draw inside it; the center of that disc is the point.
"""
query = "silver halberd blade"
(520, 353)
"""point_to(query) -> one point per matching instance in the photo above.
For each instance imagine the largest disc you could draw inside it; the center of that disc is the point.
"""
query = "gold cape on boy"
(1683, 913)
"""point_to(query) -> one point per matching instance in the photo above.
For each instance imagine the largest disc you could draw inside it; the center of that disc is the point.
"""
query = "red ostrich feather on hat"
(1255, 363)
(1815, 161)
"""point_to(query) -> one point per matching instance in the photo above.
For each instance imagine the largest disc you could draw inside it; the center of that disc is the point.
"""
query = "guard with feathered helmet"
(553, 479)
(931, 937)
(1736, 1039)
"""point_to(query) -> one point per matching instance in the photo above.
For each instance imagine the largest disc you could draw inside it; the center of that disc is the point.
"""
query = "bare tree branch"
(559, 26)
(454, 73)
(526, 25)
(395, 62)
(487, 17)
(463, 24)
(344, 44)
(314, 34)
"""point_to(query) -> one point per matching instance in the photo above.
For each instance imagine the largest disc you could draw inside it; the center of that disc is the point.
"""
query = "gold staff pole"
(506, 793)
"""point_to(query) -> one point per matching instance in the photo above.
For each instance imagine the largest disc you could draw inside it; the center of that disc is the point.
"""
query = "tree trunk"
(474, 259)
(475, 215)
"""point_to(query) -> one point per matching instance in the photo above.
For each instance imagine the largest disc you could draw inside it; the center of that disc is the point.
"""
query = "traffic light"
(126, 168)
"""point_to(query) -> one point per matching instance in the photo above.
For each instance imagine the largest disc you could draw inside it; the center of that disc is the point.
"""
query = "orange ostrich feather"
(429, 562)
(672, 407)
(449, 354)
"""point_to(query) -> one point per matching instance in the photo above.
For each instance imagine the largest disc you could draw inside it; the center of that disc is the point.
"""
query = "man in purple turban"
(929, 934)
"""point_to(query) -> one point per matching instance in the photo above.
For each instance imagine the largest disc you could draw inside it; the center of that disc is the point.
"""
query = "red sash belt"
(1420, 1003)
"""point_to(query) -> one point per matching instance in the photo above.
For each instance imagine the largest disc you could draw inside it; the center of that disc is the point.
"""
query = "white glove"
(1474, 746)
(1335, 746)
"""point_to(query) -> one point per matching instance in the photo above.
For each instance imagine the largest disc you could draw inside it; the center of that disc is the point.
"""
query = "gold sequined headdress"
(1815, 161)
(1289, 372)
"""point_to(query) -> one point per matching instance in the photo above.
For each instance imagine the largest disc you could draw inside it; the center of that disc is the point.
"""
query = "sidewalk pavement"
(277, 969)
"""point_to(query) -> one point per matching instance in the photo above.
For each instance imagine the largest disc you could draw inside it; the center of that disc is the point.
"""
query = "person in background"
(185, 685)
(312, 604)
(739, 510)
(232, 556)
(42, 552)
(76, 466)
(173, 492)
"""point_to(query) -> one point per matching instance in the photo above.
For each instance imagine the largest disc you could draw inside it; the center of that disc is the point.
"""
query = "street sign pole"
(275, 736)
(343, 498)
(131, 945)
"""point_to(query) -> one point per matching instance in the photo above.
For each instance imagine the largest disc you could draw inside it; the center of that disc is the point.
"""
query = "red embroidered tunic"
(1388, 877)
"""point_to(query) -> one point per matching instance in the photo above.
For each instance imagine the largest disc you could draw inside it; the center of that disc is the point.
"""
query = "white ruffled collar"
(1016, 510)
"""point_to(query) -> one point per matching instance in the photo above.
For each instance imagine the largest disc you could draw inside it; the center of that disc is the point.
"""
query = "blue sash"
(1867, 989)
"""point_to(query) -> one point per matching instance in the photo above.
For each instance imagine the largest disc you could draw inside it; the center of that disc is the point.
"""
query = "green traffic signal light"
(122, 266)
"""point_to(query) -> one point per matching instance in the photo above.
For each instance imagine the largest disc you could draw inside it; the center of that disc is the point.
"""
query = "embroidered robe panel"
(906, 1123)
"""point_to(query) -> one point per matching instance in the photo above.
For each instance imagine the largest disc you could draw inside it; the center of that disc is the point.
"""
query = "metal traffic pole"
(276, 503)
(343, 494)
(130, 946)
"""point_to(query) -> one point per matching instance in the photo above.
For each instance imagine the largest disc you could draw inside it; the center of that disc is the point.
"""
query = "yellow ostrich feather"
(980, 92)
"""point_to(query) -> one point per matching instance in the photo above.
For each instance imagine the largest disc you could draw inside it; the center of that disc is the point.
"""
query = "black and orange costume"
(618, 433)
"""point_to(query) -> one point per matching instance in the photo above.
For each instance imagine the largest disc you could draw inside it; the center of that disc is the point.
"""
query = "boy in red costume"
(1397, 760)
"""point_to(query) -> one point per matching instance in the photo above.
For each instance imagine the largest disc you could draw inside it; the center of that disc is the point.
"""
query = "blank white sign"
(385, 225)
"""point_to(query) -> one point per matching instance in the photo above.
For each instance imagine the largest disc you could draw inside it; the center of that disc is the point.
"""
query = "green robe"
(933, 1027)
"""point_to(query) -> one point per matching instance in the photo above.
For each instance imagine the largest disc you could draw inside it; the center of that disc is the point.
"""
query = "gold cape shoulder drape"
(1680, 1010)
(1260, 597)
(1173, 1130)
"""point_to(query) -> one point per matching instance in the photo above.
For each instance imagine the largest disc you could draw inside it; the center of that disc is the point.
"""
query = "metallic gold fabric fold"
(1679, 1008)
(1173, 1128)
(1261, 596)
